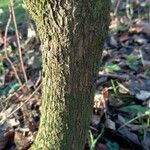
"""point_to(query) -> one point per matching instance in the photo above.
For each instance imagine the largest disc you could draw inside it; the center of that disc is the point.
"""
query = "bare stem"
(117, 7)
(18, 41)
(5, 48)
(127, 123)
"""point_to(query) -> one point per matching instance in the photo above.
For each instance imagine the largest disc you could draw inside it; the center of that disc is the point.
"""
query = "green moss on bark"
(72, 37)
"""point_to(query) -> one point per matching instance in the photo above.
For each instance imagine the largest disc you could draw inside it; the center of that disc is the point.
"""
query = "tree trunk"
(72, 33)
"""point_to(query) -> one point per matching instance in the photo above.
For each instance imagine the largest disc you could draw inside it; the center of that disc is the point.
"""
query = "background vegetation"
(121, 114)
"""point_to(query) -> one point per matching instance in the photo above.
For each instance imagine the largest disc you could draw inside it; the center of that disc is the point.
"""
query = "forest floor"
(121, 114)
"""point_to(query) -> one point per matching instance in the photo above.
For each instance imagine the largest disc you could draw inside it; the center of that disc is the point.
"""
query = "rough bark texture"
(72, 33)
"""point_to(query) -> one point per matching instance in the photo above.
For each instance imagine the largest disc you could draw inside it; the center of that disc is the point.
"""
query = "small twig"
(10, 96)
(39, 79)
(18, 41)
(132, 121)
(116, 8)
(4, 119)
(93, 128)
(5, 48)
(127, 9)
(14, 93)
(123, 87)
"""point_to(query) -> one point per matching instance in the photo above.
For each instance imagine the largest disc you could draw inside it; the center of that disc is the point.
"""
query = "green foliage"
(132, 61)
(140, 112)
(114, 86)
(148, 121)
(147, 112)
(135, 109)
(9, 89)
(2, 69)
(111, 67)
(5, 3)
(20, 12)
(94, 141)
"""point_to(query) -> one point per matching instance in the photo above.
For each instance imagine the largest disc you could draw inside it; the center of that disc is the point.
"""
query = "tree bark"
(72, 34)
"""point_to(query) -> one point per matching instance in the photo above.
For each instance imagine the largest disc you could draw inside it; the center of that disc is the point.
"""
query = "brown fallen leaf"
(141, 26)
(21, 141)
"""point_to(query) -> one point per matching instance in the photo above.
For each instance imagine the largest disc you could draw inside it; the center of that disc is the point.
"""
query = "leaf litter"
(126, 73)
(121, 114)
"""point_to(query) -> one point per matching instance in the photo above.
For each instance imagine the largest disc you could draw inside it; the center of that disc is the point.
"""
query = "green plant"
(2, 69)
(132, 61)
(141, 112)
(19, 12)
(114, 86)
(93, 141)
(110, 67)
(129, 11)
